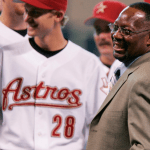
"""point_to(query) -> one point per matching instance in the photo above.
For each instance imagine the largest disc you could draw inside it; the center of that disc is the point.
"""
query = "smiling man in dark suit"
(123, 121)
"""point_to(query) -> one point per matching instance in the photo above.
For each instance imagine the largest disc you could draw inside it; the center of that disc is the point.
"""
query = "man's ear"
(60, 15)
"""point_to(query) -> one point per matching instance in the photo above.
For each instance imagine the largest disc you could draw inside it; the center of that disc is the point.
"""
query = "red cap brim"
(90, 21)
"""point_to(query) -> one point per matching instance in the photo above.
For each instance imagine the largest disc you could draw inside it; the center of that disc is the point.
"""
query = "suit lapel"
(123, 79)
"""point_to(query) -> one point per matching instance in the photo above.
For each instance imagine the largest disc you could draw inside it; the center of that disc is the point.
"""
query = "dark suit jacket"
(123, 121)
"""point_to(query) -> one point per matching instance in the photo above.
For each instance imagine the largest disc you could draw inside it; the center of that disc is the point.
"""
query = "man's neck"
(50, 42)
(106, 60)
(16, 22)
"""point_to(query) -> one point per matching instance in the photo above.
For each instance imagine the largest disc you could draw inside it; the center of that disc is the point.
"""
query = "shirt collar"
(124, 66)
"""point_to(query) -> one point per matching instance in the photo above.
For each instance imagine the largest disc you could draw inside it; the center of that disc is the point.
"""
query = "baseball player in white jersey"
(12, 25)
(51, 88)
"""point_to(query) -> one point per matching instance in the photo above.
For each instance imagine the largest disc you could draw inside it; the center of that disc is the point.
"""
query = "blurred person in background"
(12, 25)
(104, 13)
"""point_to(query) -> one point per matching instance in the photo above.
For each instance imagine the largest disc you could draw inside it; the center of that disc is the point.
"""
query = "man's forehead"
(131, 14)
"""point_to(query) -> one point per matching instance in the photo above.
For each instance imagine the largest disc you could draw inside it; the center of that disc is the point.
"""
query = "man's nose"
(26, 17)
(117, 34)
(104, 35)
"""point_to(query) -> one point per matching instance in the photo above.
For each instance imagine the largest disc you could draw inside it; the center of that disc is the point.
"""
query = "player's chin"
(31, 32)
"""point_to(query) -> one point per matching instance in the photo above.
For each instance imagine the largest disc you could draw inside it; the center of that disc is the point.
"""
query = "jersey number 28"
(68, 126)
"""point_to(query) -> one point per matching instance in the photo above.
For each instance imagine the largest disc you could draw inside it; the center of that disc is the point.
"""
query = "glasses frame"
(123, 30)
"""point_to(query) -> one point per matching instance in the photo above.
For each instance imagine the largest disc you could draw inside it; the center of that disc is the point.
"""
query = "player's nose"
(104, 35)
(26, 17)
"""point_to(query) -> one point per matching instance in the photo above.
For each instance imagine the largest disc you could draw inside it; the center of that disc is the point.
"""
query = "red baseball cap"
(47, 4)
(107, 10)
(148, 1)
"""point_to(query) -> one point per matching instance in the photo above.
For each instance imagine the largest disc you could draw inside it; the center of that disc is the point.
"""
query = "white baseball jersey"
(47, 102)
(8, 36)
(105, 80)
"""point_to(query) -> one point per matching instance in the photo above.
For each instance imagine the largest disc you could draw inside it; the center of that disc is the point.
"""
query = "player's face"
(102, 37)
(17, 8)
(41, 22)
(129, 46)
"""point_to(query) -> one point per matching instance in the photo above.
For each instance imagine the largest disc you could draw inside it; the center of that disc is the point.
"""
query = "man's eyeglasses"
(123, 31)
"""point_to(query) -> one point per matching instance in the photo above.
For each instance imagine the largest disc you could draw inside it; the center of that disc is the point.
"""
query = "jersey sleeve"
(95, 94)
(1, 58)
